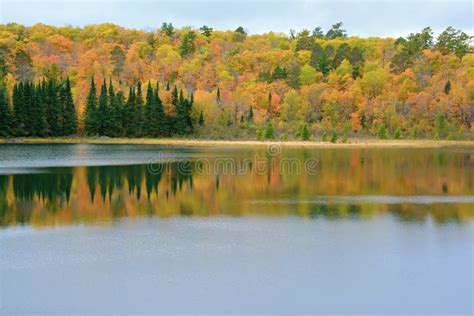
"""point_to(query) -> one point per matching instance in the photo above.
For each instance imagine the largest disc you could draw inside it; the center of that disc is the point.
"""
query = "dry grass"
(196, 142)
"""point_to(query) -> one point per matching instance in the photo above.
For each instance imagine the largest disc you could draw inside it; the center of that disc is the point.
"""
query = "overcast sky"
(360, 17)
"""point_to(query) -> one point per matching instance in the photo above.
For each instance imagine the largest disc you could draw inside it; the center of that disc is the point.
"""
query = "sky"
(360, 17)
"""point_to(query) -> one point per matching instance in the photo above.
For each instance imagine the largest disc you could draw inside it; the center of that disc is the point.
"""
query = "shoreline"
(204, 143)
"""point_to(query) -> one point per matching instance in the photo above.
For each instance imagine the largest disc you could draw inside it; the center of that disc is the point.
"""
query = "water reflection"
(350, 184)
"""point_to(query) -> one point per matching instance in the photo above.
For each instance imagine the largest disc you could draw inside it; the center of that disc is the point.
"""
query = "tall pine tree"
(69, 110)
(6, 117)
(102, 111)
(90, 118)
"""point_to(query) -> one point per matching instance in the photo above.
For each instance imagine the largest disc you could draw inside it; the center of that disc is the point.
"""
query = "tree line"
(47, 109)
(43, 109)
(311, 84)
(110, 114)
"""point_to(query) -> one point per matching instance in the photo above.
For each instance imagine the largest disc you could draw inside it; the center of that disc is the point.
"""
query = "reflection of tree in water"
(105, 192)
(51, 189)
(3, 198)
(44, 186)
(109, 178)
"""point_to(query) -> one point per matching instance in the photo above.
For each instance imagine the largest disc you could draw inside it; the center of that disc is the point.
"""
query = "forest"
(105, 80)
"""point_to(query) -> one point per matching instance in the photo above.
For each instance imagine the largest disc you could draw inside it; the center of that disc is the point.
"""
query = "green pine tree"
(382, 132)
(324, 137)
(447, 87)
(269, 131)
(334, 137)
(270, 104)
(304, 132)
(53, 110)
(69, 112)
(218, 97)
(39, 125)
(118, 112)
(161, 127)
(201, 119)
(6, 117)
(128, 116)
(250, 115)
(139, 122)
(397, 134)
(113, 111)
(150, 120)
(102, 111)
(90, 118)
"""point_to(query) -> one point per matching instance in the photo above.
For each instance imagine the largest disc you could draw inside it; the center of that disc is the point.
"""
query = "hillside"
(310, 84)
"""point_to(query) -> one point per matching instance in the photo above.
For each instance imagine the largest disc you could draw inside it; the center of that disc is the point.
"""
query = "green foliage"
(206, 30)
(334, 137)
(201, 119)
(447, 87)
(397, 134)
(188, 45)
(6, 118)
(167, 29)
(269, 131)
(45, 109)
(90, 110)
(250, 115)
(441, 125)
(336, 31)
(382, 132)
(452, 41)
(69, 120)
(324, 137)
(303, 132)
(411, 49)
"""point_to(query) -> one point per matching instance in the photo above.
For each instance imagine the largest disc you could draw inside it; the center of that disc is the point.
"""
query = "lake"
(153, 228)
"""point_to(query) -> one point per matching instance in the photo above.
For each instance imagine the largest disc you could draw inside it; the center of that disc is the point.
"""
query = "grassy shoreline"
(202, 142)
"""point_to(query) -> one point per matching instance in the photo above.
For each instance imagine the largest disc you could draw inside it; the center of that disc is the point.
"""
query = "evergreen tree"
(52, 106)
(382, 132)
(447, 87)
(250, 115)
(304, 132)
(150, 120)
(90, 118)
(270, 104)
(218, 97)
(201, 119)
(138, 111)
(160, 128)
(114, 112)
(102, 111)
(119, 113)
(18, 108)
(269, 132)
(6, 118)
(128, 116)
(69, 112)
(398, 133)
(29, 95)
(324, 137)
(188, 45)
(39, 123)
(334, 137)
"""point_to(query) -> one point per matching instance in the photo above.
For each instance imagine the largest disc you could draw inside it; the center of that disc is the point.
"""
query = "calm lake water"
(148, 228)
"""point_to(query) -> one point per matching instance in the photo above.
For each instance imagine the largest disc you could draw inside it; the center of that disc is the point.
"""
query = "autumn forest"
(329, 85)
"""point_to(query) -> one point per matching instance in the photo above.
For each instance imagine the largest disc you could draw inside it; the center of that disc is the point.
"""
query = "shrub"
(397, 134)
(382, 132)
(334, 137)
